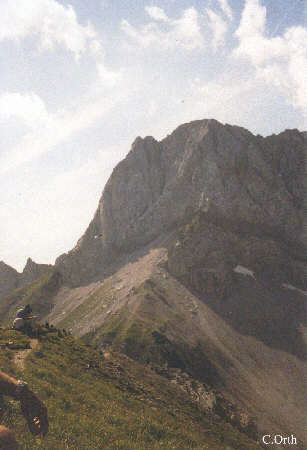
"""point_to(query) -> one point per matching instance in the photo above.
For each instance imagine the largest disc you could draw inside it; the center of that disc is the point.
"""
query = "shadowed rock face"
(242, 278)
(241, 182)
(32, 271)
(8, 279)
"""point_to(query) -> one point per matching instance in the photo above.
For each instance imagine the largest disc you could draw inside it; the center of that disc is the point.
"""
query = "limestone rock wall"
(243, 183)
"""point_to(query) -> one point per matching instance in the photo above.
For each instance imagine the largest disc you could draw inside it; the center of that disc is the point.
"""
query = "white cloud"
(108, 78)
(237, 96)
(104, 3)
(156, 13)
(153, 108)
(184, 32)
(53, 23)
(218, 27)
(253, 19)
(37, 129)
(52, 128)
(65, 205)
(225, 8)
(281, 61)
(219, 98)
(96, 49)
(29, 108)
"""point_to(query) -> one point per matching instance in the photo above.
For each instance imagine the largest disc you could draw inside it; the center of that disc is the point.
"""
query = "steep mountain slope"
(247, 345)
(249, 183)
(196, 259)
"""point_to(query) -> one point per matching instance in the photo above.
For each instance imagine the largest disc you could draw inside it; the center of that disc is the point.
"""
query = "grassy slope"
(144, 334)
(109, 402)
(155, 329)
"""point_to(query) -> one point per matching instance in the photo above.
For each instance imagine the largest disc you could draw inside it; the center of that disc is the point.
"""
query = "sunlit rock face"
(237, 182)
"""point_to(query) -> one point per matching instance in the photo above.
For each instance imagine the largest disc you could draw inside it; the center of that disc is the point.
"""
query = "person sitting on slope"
(24, 318)
(33, 409)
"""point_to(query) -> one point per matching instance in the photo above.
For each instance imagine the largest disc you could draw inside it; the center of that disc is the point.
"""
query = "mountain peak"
(30, 265)
(10, 279)
(245, 182)
(6, 267)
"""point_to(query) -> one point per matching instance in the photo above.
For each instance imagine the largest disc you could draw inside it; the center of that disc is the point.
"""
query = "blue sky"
(80, 80)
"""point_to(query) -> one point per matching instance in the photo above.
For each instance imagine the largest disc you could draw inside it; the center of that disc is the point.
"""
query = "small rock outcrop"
(32, 271)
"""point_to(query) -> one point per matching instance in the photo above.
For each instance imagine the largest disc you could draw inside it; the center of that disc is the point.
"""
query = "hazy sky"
(79, 80)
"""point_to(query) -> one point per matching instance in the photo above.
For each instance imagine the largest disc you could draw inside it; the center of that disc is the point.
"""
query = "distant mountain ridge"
(10, 279)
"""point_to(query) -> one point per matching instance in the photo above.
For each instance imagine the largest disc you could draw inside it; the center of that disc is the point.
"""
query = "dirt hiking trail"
(20, 355)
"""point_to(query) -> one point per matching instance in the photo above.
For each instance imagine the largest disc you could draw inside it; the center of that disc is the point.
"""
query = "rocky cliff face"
(10, 279)
(32, 271)
(242, 183)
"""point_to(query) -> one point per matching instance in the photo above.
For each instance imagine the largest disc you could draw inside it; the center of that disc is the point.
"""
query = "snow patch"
(244, 271)
(293, 288)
